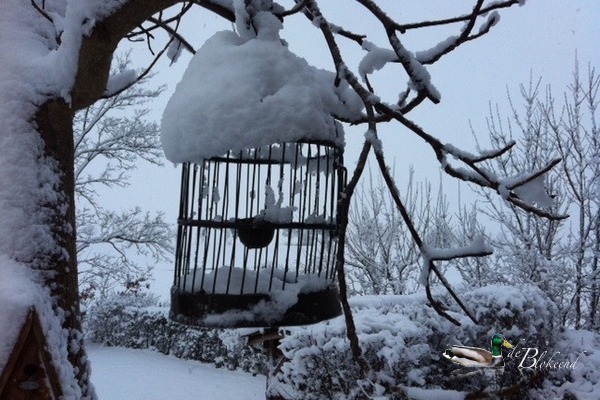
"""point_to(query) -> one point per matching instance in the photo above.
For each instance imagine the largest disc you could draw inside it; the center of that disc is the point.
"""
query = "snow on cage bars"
(256, 238)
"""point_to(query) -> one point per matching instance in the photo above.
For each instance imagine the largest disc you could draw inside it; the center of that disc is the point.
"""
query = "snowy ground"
(127, 374)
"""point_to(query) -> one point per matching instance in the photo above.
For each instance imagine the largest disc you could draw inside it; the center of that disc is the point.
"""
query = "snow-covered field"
(126, 374)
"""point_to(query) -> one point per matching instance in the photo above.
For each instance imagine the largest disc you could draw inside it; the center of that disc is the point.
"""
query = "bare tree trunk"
(55, 125)
(580, 266)
(592, 324)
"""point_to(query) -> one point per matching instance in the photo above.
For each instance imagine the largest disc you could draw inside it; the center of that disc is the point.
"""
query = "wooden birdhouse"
(257, 237)
(29, 373)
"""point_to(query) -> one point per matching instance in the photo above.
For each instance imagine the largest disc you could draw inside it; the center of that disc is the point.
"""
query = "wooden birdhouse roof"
(29, 373)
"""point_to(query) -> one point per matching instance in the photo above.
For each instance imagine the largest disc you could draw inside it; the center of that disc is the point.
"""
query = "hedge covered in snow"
(137, 322)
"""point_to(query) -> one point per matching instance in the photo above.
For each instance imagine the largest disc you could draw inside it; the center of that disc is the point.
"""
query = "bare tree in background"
(381, 257)
(526, 245)
(474, 271)
(93, 41)
(560, 257)
(112, 137)
(574, 125)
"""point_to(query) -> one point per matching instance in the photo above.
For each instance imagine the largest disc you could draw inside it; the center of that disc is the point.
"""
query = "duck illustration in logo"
(476, 357)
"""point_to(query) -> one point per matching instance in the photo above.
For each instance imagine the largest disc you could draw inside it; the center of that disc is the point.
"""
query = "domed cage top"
(256, 240)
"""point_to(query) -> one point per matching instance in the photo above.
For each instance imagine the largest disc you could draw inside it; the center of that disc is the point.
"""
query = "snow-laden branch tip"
(430, 56)
(120, 81)
(492, 20)
(420, 79)
(526, 191)
(532, 192)
(427, 56)
(446, 46)
(175, 50)
(375, 59)
(476, 248)
(482, 156)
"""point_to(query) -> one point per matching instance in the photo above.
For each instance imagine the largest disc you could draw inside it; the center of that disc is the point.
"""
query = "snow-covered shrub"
(582, 349)
(524, 315)
(139, 322)
(403, 340)
(122, 320)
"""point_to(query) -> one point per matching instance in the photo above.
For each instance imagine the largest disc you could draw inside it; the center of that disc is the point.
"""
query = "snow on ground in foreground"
(126, 374)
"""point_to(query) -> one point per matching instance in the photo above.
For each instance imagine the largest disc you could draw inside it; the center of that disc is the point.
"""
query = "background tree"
(575, 128)
(526, 244)
(112, 137)
(560, 257)
(382, 257)
(477, 271)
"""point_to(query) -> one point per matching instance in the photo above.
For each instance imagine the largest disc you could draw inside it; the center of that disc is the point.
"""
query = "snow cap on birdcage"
(239, 93)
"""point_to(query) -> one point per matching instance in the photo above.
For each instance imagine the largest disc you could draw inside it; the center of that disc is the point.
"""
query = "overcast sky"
(540, 38)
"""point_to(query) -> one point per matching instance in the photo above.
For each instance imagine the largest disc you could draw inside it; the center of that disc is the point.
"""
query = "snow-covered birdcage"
(256, 240)
(253, 126)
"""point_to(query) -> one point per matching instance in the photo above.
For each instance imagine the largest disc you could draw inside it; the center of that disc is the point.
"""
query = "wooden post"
(270, 339)
(29, 373)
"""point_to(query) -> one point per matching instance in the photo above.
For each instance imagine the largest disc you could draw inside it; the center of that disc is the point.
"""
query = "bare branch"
(488, 155)
(141, 76)
(393, 189)
(477, 175)
(42, 12)
(344, 203)
(388, 23)
(534, 175)
(173, 33)
(447, 21)
(437, 306)
(299, 7)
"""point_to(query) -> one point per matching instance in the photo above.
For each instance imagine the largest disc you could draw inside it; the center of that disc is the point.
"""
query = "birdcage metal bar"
(234, 224)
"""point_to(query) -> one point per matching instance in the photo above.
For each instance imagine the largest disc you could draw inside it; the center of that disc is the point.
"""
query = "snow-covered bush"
(403, 340)
(111, 321)
(580, 380)
(139, 322)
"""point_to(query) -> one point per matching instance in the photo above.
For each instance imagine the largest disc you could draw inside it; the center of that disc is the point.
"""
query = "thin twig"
(494, 154)
(300, 5)
(174, 33)
(142, 75)
(42, 11)
(393, 189)
(446, 21)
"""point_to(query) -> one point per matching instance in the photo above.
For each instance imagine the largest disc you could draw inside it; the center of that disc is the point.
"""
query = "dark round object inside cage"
(255, 234)
(257, 237)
